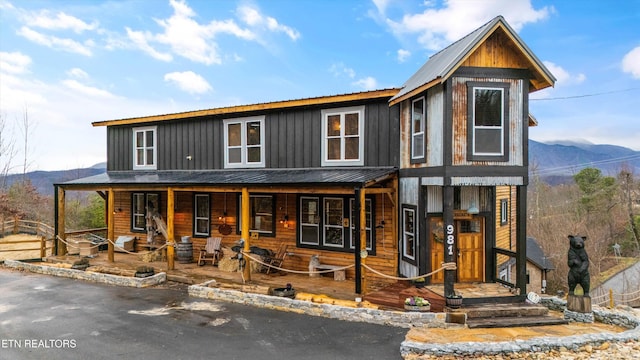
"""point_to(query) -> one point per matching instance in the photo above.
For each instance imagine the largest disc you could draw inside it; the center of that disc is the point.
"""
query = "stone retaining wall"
(382, 317)
(156, 279)
(620, 317)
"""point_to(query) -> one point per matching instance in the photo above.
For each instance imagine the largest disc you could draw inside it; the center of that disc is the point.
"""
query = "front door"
(470, 249)
(436, 235)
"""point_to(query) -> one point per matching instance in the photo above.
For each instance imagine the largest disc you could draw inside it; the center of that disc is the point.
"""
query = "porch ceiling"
(246, 177)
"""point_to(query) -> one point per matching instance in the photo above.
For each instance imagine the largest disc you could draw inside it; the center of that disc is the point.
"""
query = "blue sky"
(67, 63)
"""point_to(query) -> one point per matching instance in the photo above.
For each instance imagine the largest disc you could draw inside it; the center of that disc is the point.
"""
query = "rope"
(445, 266)
(295, 271)
(121, 248)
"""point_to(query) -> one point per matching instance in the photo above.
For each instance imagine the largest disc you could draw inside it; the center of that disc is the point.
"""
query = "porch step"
(393, 296)
(515, 321)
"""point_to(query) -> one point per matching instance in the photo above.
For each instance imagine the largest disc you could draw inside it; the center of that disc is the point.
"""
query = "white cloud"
(403, 55)
(77, 73)
(252, 17)
(562, 76)
(367, 83)
(438, 27)
(631, 63)
(14, 62)
(86, 90)
(188, 81)
(339, 69)
(139, 39)
(55, 42)
(60, 21)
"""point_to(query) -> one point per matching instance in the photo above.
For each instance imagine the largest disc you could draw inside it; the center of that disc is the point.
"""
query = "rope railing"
(119, 247)
(445, 266)
(259, 261)
(613, 298)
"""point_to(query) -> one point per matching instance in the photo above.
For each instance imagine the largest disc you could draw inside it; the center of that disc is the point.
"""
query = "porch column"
(451, 241)
(521, 239)
(360, 239)
(170, 235)
(61, 247)
(244, 234)
(111, 201)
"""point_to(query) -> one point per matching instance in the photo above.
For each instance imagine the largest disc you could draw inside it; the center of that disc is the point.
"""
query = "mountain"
(44, 180)
(554, 161)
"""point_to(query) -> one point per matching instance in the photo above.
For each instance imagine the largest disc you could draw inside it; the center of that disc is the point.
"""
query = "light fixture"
(473, 209)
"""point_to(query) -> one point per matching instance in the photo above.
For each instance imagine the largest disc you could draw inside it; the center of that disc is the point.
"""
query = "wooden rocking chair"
(211, 251)
(278, 258)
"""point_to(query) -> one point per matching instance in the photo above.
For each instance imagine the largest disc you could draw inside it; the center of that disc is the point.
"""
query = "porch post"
(61, 247)
(521, 239)
(170, 235)
(244, 234)
(359, 193)
(450, 248)
(111, 201)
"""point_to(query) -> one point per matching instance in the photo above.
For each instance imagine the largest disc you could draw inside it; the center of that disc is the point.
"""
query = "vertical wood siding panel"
(292, 152)
(435, 123)
(308, 135)
(316, 139)
(371, 136)
(300, 151)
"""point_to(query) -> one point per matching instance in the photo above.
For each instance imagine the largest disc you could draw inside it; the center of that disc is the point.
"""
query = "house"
(395, 180)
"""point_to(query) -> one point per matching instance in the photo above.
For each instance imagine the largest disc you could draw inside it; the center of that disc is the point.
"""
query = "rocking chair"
(278, 258)
(211, 251)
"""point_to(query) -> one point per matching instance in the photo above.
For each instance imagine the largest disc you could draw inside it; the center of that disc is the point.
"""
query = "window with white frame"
(323, 223)
(144, 148)
(369, 220)
(343, 136)
(488, 120)
(201, 215)
(244, 142)
(417, 128)
(504, 211)
(142, 205)
(409, 234)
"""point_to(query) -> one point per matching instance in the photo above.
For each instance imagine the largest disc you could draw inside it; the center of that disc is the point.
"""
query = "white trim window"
(333, 225)
(417, 128)
(145, 152)
(201, 212)
(409, 233)
(244, 142)
(343, 136)
(488, 121)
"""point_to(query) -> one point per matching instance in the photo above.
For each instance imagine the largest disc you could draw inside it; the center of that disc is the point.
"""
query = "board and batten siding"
(292, 140)
(517, 120)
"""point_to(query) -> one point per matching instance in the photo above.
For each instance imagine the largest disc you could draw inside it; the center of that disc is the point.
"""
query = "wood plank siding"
(292, 139)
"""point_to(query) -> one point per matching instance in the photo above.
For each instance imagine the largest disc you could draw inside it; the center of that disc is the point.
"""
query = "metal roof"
(441, 64)
(244, 177)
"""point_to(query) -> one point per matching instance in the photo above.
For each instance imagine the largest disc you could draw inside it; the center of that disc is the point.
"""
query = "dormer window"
(343, 136)
(144, 148)
(488, 114)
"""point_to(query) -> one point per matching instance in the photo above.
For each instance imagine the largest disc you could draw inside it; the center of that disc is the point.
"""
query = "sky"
(67, 63)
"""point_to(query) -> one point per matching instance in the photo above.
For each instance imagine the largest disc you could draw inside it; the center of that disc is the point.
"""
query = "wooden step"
(504, 310)
(518, 321)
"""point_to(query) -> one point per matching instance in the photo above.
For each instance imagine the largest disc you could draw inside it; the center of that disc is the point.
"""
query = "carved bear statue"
(578, 262)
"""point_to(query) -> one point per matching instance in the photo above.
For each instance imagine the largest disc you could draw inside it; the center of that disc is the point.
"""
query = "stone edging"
(615, 317)
(374, 316)
(156, 279)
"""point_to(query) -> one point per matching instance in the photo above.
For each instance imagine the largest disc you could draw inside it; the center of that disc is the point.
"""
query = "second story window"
(417, 129)
(343, 136)
(244, 142)
(488, 121)
(144, 148)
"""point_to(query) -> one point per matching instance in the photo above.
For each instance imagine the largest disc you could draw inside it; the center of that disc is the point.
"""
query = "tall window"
(323, 223)
(369, 220)
(488, 118)
(417, 128)
(342, 136)
(244, 142)
(409, 232)
(201, 218)
(261, 214)
(143, 204)
(144, 148)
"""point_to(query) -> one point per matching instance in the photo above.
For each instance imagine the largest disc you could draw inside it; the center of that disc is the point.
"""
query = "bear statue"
(578, 262)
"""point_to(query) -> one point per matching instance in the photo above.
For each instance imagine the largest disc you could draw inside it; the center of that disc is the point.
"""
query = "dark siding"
(293, 140)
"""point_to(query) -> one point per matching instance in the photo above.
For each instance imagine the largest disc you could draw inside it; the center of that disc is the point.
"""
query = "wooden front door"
(470, 250)
(436, 235)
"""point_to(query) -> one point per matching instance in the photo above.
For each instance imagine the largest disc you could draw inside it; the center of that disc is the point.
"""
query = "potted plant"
(454, 301)
(419, 282)
(417, 303)
(143, 271)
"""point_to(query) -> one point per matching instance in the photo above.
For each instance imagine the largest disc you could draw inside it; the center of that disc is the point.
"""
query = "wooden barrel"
(184, 252)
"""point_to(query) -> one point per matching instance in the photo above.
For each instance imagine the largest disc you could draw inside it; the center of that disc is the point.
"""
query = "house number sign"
(450, 239)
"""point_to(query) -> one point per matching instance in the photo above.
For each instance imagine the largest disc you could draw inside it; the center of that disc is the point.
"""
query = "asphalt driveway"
(58, 318)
